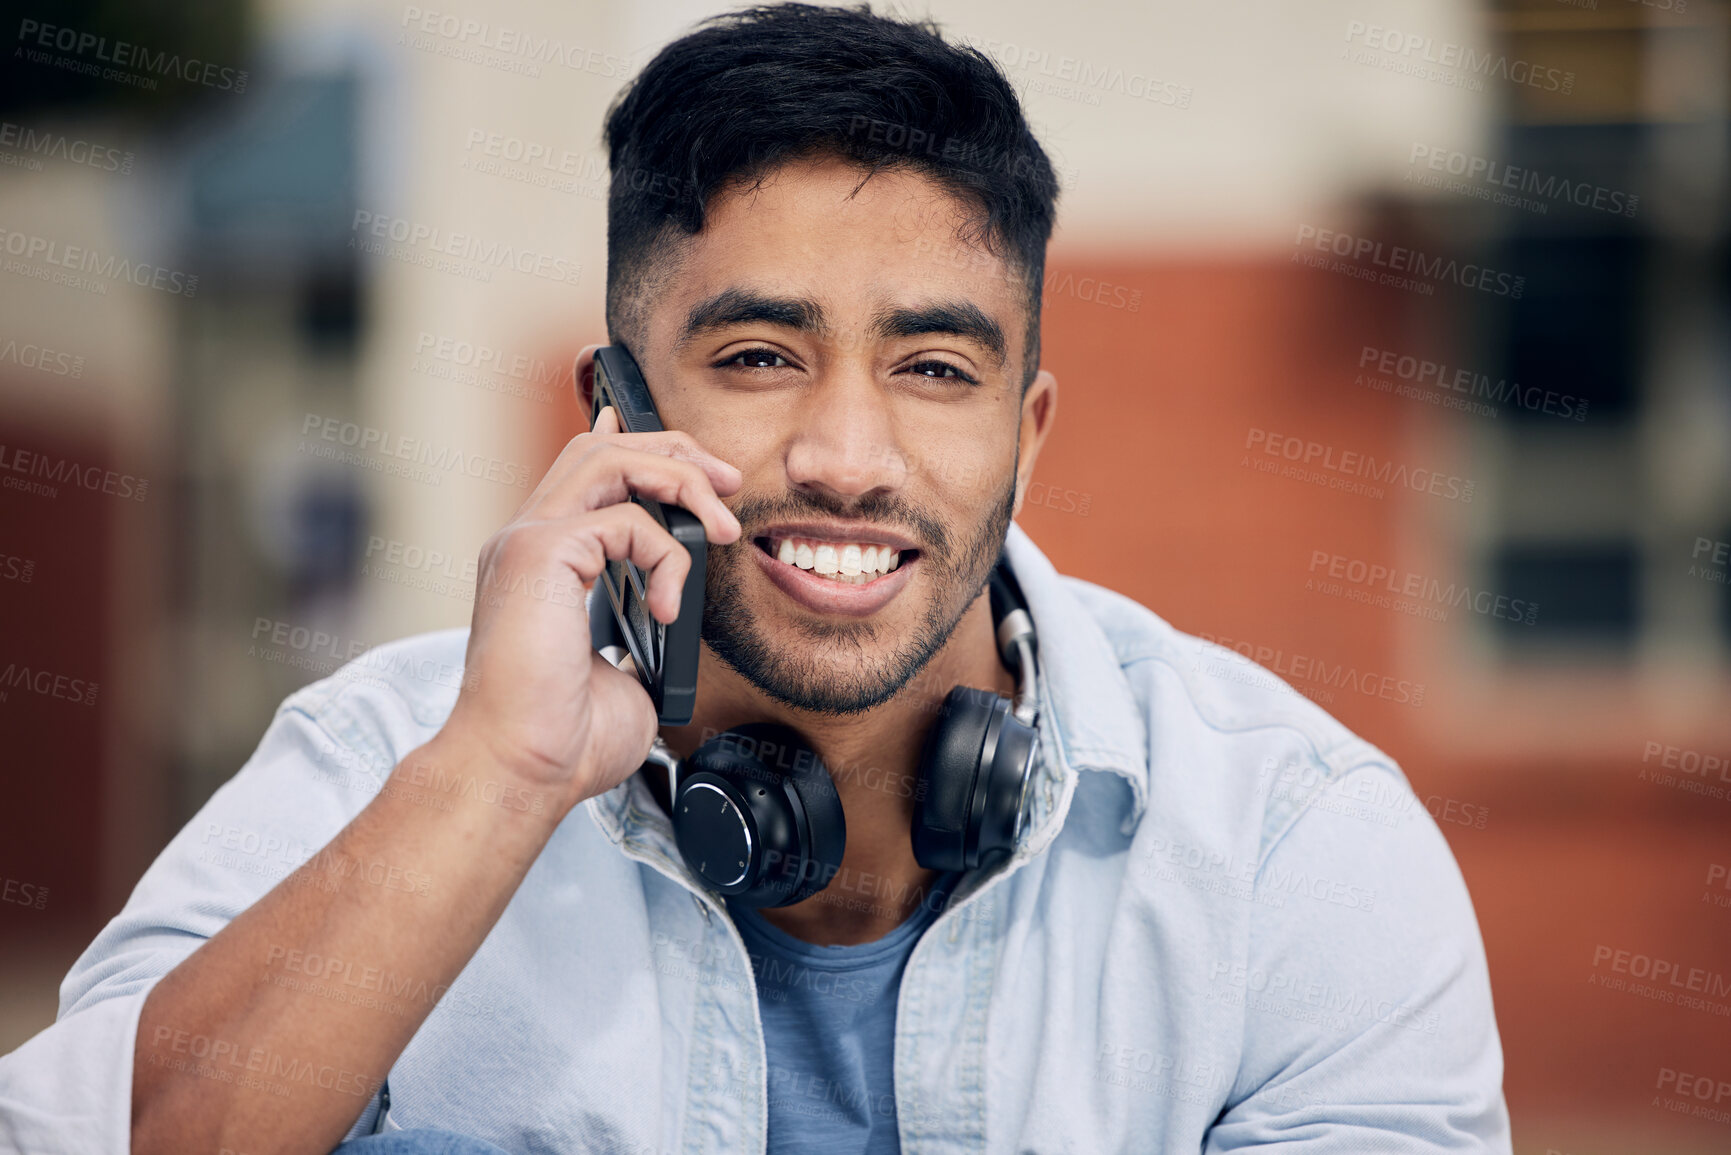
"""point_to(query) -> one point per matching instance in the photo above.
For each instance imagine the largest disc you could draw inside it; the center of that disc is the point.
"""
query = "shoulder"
(1222, 718)
(392, 696)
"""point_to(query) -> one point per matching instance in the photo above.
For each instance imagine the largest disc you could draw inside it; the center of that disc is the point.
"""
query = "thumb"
(620, 698)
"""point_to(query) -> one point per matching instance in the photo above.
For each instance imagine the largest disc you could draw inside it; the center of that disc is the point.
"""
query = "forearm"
(317, 988)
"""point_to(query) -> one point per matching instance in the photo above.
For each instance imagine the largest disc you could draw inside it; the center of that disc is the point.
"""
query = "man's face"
(862, 367)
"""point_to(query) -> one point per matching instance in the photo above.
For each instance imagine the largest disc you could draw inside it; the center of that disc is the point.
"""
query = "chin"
(828, 665)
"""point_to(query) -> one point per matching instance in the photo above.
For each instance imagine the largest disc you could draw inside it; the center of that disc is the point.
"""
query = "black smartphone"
(665, 654)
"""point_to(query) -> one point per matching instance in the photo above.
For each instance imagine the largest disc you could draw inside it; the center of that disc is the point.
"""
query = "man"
(832, 285)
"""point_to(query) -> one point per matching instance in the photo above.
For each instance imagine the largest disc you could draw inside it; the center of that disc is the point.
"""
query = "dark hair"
(753, 89)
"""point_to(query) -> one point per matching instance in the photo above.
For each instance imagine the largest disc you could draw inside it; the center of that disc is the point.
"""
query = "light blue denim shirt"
(1229, 923)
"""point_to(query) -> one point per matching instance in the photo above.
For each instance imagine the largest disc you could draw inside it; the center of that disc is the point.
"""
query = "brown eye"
(940, 370)
(757, 359)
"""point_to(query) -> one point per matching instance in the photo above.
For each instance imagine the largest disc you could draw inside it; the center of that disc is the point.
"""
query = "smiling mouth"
(848, 563)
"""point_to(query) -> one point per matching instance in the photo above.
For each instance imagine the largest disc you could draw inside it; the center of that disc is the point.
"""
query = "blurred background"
(1395, 346)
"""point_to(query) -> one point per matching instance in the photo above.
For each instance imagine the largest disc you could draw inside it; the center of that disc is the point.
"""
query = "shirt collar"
(1090, 718)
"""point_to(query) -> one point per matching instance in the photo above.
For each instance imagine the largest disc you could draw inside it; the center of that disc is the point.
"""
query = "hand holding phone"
(665, 654)
(539, 705)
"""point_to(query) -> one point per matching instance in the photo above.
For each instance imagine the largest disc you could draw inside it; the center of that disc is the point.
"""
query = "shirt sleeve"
(69, 1088)
(1366, 1002)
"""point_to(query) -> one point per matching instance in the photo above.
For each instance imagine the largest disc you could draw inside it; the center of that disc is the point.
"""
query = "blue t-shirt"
(829, 1031)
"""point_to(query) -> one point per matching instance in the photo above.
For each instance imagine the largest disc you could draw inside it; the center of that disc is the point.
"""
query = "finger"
(623, 532)
(603, 432)
(673, 443)
(681, 446)
(610, 476)
(628, 532)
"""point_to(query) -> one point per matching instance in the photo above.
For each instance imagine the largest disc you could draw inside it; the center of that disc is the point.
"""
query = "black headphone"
(757, 818)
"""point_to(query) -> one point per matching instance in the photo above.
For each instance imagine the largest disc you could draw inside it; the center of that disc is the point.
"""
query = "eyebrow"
(802, 314)
(959, 318)
(744, 306)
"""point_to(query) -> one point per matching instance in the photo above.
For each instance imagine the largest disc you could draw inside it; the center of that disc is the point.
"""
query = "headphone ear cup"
(949, 770)
(1004, 785)
(825, 822)
(757, 816)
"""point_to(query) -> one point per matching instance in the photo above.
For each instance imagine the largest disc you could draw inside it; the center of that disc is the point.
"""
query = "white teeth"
(850, 562)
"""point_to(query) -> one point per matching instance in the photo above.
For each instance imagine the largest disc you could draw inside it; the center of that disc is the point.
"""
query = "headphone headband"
(1018, 645)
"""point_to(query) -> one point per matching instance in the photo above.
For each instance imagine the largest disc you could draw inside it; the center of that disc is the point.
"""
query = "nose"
(846, 442)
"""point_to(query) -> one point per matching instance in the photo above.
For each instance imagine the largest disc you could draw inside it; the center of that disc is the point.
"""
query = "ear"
(1039, 411)
(585, 378)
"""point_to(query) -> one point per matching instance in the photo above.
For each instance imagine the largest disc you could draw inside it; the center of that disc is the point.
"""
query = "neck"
(873, 757)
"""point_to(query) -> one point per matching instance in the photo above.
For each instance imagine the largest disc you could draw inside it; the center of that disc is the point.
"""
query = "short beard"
(808, 680)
